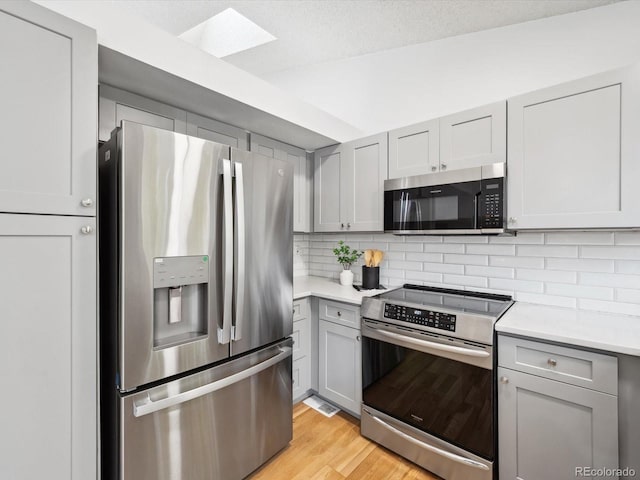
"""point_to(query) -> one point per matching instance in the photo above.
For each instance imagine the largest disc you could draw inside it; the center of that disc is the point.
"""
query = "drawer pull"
(552, 362)
(504, 380)
(339, 313)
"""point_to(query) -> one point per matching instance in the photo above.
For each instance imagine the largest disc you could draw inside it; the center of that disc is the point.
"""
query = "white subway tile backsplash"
(491, 249)
(547, 251)
(579, 238)
(610, 280)
(546, 275)
(525, 262)
(466, 259)
(579, 291)
(580, 265)
(586, 270)
(496, 272)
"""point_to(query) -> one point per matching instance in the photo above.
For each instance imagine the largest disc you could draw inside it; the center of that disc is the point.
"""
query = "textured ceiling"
(315, 31)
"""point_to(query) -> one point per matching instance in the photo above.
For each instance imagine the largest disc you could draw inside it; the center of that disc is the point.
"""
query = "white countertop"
(329, 289)
(601, 331)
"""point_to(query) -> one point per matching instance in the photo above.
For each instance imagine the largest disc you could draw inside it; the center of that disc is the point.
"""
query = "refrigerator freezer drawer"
(221, 423)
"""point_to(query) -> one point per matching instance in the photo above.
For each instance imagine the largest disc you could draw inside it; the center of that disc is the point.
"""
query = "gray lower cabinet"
(48, 122)
(301, 370)
(48, 425)
(554, 421)
(340, 356)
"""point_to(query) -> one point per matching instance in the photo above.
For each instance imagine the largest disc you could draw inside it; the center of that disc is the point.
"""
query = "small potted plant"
(346, 257)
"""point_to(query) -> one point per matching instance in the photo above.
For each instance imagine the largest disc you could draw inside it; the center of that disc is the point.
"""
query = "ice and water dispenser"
(180, 297)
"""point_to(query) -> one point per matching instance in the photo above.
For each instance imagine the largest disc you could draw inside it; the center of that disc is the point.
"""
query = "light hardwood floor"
(332, 449)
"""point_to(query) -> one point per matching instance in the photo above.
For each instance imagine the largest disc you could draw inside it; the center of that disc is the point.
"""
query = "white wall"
(398, 87)
(586, 270)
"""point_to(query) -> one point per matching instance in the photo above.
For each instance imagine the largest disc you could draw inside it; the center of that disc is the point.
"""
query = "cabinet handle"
(504, 380)
(342, 225)
(433, 169)
(443, 166)
(348, 225)
(552, 362)
(339, 314)
(86, 202)
(358, 337)
(86, 230)
(512, 220)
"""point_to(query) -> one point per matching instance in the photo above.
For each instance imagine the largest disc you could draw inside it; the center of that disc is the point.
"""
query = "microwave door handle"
(224, 333)
(240, 252)
(146, 406)
(438, 451)
(476, 208)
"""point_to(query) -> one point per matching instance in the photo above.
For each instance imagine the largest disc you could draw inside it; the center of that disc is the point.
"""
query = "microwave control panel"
(426, 318)
(492, 203)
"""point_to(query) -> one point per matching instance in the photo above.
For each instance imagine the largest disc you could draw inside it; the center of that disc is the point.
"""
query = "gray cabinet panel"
(215, 131)
(301, 349)
(117, 105)
(48, 122)
(340, 365)
(48, 345)
(573, 153)
(414, 150)
(547, 429)
(326, 182)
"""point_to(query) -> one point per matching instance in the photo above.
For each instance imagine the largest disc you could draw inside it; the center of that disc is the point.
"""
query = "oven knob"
(504, 380)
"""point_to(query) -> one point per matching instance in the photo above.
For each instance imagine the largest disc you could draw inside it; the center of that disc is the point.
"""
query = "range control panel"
(427, 318)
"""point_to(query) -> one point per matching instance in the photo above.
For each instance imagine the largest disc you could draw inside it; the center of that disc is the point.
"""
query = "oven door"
(431, 209)
(435, 384)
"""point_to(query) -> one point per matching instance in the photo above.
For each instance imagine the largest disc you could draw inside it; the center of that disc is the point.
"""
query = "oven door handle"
(451, 456)
(433, 345)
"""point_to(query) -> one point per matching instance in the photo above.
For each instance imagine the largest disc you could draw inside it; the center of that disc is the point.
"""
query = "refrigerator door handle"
(240, 253)
(224, 333)
(147, 406)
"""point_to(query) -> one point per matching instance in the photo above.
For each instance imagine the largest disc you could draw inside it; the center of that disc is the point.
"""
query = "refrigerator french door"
(196, 293)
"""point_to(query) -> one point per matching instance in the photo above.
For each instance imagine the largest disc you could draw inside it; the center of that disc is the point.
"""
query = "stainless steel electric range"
(428, 377)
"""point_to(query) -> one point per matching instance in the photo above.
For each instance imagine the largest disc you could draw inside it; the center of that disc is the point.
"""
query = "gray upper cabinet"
(48, 345)
(414, 150)
(302, 181)
(474, 137)
(349, 186)
(573, 154)
(117, 105)
(215, 131)
(48, 93)
(462, 140)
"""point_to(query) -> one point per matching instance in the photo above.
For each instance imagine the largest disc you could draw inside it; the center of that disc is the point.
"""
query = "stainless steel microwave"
(455, 202)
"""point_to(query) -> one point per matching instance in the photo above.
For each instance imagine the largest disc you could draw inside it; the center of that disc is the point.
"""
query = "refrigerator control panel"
(179, 271)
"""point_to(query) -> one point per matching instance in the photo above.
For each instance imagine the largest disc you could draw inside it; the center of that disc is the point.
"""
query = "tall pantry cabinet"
(48, 131)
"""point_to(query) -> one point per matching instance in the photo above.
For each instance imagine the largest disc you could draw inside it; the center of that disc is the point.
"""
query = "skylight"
(227, 33)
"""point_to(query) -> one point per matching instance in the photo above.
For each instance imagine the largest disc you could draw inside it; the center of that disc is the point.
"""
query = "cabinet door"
(215, 131)
(414, 150)
(48, 348)
(326, 190)
(474, 137)
(573, 154)
(302, 182)
(547, 429)
(340, 368)
(117, 105)
(362, 183)
(48, 122)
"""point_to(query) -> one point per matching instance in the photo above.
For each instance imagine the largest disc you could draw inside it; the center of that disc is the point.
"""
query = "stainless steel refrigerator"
(195, 307)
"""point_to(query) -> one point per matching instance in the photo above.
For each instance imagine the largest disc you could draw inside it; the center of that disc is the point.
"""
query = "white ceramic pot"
(346, 277)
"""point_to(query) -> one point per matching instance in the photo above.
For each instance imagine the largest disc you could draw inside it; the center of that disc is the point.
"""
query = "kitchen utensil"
(368, 254)
(378, 255)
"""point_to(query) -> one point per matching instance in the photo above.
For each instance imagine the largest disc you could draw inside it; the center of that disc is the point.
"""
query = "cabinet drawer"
(340, 313)
(300, 309)
(577, 367)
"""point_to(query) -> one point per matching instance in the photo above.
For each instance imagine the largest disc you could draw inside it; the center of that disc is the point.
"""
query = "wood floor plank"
(331, 448)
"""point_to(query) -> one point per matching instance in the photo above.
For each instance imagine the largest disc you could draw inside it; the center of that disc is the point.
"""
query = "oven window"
(429, 208)
(445, 398)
